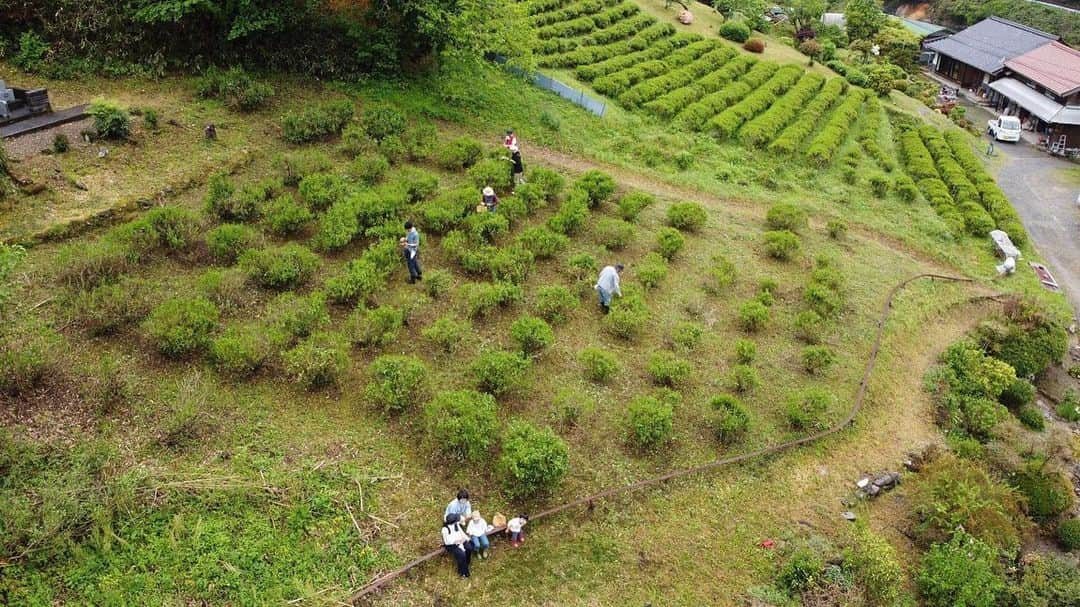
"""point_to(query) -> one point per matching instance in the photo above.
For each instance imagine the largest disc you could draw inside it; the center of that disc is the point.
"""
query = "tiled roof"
(1054, 66)
(990, 42)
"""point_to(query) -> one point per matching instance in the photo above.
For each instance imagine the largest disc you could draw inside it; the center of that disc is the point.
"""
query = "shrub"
(555, 303)
(111, 307)
(572, 214)
(754, 45)
(110, 121)
(532, 335)
(284, 216)
(358, 281)
(382, 121)
(736, 31)
(688, 216)
(785, 216)
(462, 423)
(816, 359)
(533, 460)
(582, 266)
(438, 283)
(318, 361)
(369, 168)
(627, 317)
(599, 186)
(1018, 394)
(171, 228)
(875, 564)
(744, 378)
(316, 122)
(960, 573)
(614, 234)
(631, 205)
(1049, 493)
(458, 154)
(181, 326)
(375, 327)
(753, 315)
(1048, 580)
(1069, 407)
(652, 270)
(1030, 343)
(1068, 533)
(837, 229)
(27, 357)
(802, 570)
(906, 189)
(808, 326)
(283, 267)
(227, 241)
(491, 172)
(499, 372)
(234, 87)
(481, 298)
(719, 275)
(549, 182)
(240, 352)
(879, 184)
(669, 242)
(810, 48)
(396, 382)
(782, 245)
(667, 369)
(687, 335)
(809, 410)
(1031, 417)
(732, 418)
(227, 289)
(745, 351)
(542, 242)
(60, 144)
(446, 332)
(650, 421)
(599, 364)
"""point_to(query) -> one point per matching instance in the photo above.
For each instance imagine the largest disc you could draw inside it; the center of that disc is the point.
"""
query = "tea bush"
(458, 154)
(1031, 417)
(240, 351)
(284, 216)
(532, 335)
(745, 351)
(598, 186)
(732, 418)
(960, 573)
(227, 289)
(1068, 533)
(171, 228)
(599, 364)
(549, 182)
(650, 422)
(358, 281)
(491, 172)
(837, 229)
(719, 275)
(480, 299)
(651, 270)
(753, 315)
(290, 316)
(785, 216)
(27, 357)
(614, 234)
(533, 460)
(284, 267)
(627, 317)
(486, 227)
(736, 31)
(1049, 492)
(318, 361)
(382, 121)
(369, 168)
(744, 378)
(572, 214)
(669, 242)
(295, 166)
(317, 121)
(397, 382)
(631, 205)
(462, 424)
(555, 304)
(375, 327)
(498, 373)
(511, 264)
(1029, 342)
(809, 410)
(816, 359)
(111, 307)
(802, 571)
(582, 266)
(110, 121)
(688, 216)
(446, 332)
(227, 241)
(87, 266)
(666, 369)
(686, 336)
(181, 326)
(782, 245)
(808, 326)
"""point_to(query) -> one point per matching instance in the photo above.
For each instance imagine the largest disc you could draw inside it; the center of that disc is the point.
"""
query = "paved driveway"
(1044, 191)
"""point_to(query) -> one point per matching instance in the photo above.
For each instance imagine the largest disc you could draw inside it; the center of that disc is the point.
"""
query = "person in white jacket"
(478, 530)
(457, 543)
(608, 284)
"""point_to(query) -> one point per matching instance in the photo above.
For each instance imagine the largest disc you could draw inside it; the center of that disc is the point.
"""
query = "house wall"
(967, 76)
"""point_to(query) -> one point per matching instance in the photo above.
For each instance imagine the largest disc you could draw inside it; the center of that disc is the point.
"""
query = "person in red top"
(511, 139)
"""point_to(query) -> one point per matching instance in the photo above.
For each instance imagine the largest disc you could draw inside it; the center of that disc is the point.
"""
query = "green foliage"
(627, 317)
(498, 373)
(555, 304)
(171, 228)
(803, 569)
(736, 31)
(446, 332)
(283, 267)
(615, 234)
(369, 168)
(599, 186)
(572, 214)
(10, 256)
(1029, 341)
(875, 564)
(317, 121)
(318, 361)
(688, 216)
(533, 460)
(1068, 533)
(744, 378)
(290, 316)
(480, 299)
(491, 172)
(359, 280)
(234, 87)
(375, 327)
(295, 166)
(382, 121)
(599, 364)
(32, 53)
(1049, 493)
(753, 315)
(732, 418)
(397, 382)
(283, 215)
(837, 229)
(1031, 417)
(651, 270)
(228, 289)
(458, 154)
(27, 357)
(632, 204)
(438, 283)
(686, 336)
(111, 307)
(229, 240)
(669, 241)
(864, 18)
(462, 424)
(808, 326)
(1069, 407)
(1048, 580)
(785, 216)
(110, 121)
(549, 182)
(809, 410)
(60, 144)
(650, 422)
(745, 351)
(240, 351)
(960, 573)
(667, 369)
(816, 359)
(511, 264)
(532, 335)
(782, 244)
(181, 326)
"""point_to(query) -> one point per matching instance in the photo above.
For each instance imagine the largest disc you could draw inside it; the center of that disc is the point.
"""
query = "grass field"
(202, 487)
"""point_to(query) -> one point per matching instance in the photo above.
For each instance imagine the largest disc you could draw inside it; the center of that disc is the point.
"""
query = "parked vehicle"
(1005, 128)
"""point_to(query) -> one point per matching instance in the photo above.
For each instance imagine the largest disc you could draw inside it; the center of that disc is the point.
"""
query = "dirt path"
(740, 207)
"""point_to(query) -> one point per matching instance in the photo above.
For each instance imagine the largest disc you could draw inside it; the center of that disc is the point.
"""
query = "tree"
(806, 14)
(864, 18)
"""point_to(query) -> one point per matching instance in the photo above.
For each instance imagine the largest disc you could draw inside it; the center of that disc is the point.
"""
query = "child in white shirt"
(515, 527)
(477, 530)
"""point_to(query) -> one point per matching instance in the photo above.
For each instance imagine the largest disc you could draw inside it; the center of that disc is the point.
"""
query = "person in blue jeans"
(478, 530)
(608, 285)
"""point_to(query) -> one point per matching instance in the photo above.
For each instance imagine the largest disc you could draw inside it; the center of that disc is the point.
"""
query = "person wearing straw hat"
(489, 199)
(478, 530)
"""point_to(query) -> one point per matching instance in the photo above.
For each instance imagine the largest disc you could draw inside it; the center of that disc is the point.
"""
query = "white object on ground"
(1007, 267)
(1004, 244)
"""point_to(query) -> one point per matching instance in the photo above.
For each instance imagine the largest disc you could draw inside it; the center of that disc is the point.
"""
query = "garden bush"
(782, 244)
(875, 564)
(382, 121)
(745, 351)
(491, 172)
(753, 315)
(542, 242)
(825, 301)
(754, 45)
(316, 121)
(446, 332)
(111, 307)
(227, 289)
(808, 326)
(651, 270)
(719, 275)
(837, 229)
(669, 241)
(1018, 394)
(532, 335)
(480, 299)
(498, 373)
(599, 364)
(234, 87)
(358, 281)
(736, 31)
(627, 317)
(667, 369)
(615, 234)
(686, 336)
(816, 359)
(1031, 417)
(462, 424)
(459, 154)
(1049, 492)
(785, 216)
(650, 422)
(582, 266)
(375, 327)
(511, 264)
(227, 241)
(962, 572)
(744, 378)
(555, 303)
(879, 184)
(599, 186)
(1048, 580)
(802, 570)
(438, 283)
(320, 190)
(284, 216)
(318, 361)
(283, 267)
(170, 228)
(110, 120)
(369, 168)
(533, 460)
(732, 418)
(240, 351)
(1028, 341)
(397, 382)
(181, 326)
(688, 216)
(549, 182)
(572, 214)
(809, 410)
(632, 204)
(1068, 533)
(290, 316)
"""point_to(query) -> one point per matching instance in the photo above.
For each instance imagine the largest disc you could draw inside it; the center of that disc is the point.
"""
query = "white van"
(1005, 128)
